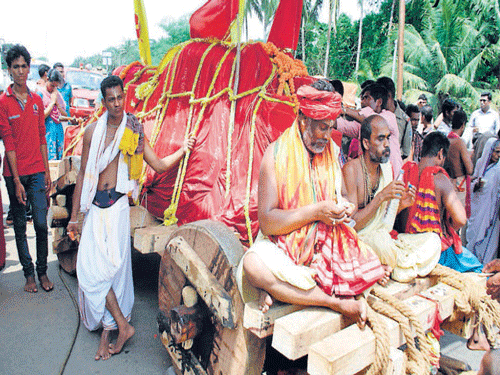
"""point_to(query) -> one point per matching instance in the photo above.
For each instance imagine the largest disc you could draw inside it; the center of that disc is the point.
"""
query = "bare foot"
(103, 351)
(124, 334)
(478, 340)
(265, 301)
(387, 275)
(354, 309)
(45, 283)
(30, 285)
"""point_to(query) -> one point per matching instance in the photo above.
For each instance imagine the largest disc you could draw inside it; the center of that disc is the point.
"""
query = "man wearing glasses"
(482, 120)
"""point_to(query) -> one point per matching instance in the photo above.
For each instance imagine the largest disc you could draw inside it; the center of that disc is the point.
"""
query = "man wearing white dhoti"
(483, 227)
(379, 198)
(113, 151)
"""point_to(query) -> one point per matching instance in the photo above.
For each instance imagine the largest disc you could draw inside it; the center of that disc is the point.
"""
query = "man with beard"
(370, 186)
(309, 255)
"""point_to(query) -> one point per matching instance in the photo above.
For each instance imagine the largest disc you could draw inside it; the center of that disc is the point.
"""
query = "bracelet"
(72, 222)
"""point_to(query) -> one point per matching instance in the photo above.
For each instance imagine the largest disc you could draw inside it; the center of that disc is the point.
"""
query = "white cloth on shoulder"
(100, 157)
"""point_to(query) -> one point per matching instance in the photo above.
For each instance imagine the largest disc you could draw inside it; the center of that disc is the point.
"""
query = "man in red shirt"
(26, 172)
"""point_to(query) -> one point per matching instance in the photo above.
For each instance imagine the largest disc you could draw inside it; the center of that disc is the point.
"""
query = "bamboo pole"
(401, 34)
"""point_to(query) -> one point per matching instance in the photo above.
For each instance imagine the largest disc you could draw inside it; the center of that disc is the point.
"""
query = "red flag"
(286, 26)
(213, 19)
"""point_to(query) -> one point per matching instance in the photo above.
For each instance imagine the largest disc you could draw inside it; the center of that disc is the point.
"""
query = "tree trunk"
(359, 37)
(328, 35)
(303, 35)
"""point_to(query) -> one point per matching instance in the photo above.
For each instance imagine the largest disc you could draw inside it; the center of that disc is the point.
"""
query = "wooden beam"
(262, 324)
(295, 333)
(141, 218)
(153, 239)
(208, 287)
(351, 350)
(182, 359)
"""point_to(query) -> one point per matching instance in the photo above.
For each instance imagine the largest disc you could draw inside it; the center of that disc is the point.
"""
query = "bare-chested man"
(458, 163)
(371, 188)
(309, 250)
(113, 150)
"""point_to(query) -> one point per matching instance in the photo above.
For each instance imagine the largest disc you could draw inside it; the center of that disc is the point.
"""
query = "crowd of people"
(335, 218)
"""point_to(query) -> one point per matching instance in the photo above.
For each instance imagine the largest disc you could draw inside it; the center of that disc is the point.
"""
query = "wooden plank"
(141, 218)
(61, 200)
(153, 239)
(295, 333)
(262, 324)
(335, 354)
(207, 286)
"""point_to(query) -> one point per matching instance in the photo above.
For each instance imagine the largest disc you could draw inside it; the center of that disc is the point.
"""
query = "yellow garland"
(128, 145)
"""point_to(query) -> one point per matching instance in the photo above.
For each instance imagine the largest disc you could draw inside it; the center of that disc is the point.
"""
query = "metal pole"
(401, 48)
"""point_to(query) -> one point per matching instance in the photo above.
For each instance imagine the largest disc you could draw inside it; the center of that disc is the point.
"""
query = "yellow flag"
(141, 28)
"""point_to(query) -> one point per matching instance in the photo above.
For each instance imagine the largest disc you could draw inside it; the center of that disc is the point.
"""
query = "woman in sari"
(483, 227)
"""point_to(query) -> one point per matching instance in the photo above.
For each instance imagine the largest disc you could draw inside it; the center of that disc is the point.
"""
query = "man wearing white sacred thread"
(113, 151)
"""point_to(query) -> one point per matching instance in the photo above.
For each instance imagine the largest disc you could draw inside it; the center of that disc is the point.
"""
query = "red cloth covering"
(203, 194)
(318, 104)
(425, 215)
(286, 25)
(213, 19)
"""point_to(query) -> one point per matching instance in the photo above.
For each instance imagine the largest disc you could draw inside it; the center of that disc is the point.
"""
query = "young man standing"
(26, 172)
(113, 150)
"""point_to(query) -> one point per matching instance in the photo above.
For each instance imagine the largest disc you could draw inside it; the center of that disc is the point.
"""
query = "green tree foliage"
(177, 31)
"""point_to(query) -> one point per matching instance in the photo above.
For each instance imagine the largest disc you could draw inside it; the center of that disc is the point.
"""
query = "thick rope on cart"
(382, 348)
(472, 300)
(391, 307)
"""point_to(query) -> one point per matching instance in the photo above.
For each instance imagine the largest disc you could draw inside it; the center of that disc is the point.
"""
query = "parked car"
(86, 86)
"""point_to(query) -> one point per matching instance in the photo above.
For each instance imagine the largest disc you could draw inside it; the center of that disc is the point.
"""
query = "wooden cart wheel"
(218, 349)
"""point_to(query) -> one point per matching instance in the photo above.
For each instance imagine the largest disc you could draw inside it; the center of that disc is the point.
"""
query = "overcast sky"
(61, 30)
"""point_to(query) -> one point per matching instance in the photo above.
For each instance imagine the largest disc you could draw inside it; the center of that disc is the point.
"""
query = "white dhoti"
(104, 255)
(410, 255)
(104, 263)
(279, 264)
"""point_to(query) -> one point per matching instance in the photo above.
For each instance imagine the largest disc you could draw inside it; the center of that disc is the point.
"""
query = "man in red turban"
(307, 253)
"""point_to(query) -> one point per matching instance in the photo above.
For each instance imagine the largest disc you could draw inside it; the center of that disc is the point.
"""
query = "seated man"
(436, 207)
(310, 255)
(371, 188)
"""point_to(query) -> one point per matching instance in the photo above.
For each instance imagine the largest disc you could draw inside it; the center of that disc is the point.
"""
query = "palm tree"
(333, 14)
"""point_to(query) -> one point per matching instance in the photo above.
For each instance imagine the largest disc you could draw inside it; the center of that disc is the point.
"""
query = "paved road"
(36, 330)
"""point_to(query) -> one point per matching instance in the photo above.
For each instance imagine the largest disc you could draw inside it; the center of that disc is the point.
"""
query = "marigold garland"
(288, 68)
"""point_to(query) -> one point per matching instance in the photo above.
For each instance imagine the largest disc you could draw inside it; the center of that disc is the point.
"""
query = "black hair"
(488, 94)
(426, 112)
(338, 86)
(388, 84)
(433, 143)
(54, 76)
(42, 69)
(422, 97)
(366, 83)
(15, 52)
(323, 85)
(402, 105)
(412, 108)
(459, 118)
(109, 82)
(58, 65)
(448, 105)
(377, 92)
(366, 129)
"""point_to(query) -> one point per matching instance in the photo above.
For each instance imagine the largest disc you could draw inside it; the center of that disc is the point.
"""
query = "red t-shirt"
(23, 131)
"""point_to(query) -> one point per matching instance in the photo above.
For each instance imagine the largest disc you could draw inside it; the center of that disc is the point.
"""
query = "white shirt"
(481, 122)
(444, 128)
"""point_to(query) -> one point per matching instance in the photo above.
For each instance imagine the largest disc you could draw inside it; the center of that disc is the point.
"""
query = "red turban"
(318, 104)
